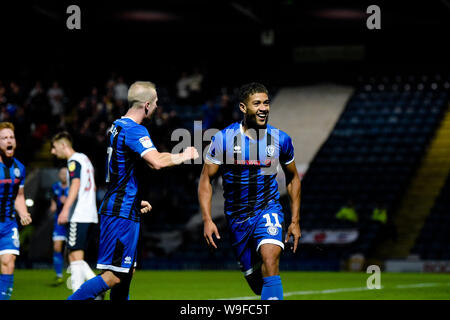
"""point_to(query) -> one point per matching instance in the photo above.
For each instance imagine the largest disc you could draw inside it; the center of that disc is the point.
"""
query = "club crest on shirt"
(237, 149)
(146, 143)
(270, 150)
(72, 166)
(273, 231)
(17, 172)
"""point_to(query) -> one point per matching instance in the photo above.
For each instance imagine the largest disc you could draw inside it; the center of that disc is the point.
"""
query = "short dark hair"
(62, 135)
(251, 88)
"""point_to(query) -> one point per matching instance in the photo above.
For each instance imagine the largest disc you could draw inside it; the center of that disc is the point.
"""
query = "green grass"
(202, 285)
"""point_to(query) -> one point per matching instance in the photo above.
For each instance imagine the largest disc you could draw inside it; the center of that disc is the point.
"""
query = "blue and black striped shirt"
(128, 141)
(249, 167)
(11, 178)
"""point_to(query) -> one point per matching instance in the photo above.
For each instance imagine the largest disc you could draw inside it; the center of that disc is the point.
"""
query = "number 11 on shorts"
(269, 223)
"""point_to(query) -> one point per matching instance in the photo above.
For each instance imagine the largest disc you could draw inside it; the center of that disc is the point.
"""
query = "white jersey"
(84, 209)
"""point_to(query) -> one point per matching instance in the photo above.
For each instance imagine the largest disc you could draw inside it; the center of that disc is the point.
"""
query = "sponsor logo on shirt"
(146, 143)
(265, 163)
(9, 181)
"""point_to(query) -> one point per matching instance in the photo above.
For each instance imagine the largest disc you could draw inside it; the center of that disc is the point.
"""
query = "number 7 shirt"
(128, 142)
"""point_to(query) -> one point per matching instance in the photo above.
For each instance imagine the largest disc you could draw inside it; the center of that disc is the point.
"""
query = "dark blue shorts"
(248, 234)
(118, 243)
(78, 235)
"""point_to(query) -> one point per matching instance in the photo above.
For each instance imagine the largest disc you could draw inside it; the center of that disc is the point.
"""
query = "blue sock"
(90, 289)
(6, 286)
(58, 263)
(272, 288)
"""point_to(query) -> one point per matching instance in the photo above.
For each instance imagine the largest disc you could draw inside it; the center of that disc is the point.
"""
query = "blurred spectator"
(56, 99)
(387, 229)
(4, 114)
(379, 214)
(183, 84)
(83, 110)
(348, 212)
(2, 94)
(93, 98)
(120, 90)
(226, 110)
(195, 87)
(15, 96)
(37, 91)
(210, 110)
(110, 83)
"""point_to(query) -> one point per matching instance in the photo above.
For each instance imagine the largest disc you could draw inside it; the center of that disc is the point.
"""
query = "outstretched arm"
(158, 160)
(293, 187)
(204, 198)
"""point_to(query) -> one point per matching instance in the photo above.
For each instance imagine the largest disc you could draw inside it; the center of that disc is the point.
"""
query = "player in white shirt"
(80, 208)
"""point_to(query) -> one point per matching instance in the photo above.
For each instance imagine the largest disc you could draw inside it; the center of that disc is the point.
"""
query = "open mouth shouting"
(9, 150)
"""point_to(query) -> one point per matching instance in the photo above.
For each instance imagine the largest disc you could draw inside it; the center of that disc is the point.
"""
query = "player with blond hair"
(12, 200)
(123, 204)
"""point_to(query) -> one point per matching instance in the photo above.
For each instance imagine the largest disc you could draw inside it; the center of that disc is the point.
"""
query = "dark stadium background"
(159, 40)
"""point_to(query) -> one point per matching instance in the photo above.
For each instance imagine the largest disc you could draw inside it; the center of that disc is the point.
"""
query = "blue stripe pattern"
(250, 166)
(11, 177)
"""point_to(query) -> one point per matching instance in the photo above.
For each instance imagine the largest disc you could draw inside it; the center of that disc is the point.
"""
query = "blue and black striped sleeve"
(287, 150)
(22, 178)
(138, 139)
(215, 150)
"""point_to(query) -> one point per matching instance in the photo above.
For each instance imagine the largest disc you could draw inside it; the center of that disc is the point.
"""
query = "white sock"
(77, 277)
(87, 271)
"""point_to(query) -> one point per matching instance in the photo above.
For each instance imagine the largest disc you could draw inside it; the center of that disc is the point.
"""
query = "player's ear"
(243, 107)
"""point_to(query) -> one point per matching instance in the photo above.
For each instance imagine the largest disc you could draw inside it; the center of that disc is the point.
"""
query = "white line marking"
(420, 285)
(338, 290)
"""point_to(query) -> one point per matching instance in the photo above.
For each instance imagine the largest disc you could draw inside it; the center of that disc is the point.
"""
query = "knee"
(57, 247)
(76, 255)
(7, 263)
(270, 266)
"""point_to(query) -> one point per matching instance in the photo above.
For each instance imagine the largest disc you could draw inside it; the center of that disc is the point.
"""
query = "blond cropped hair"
(141, 92)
